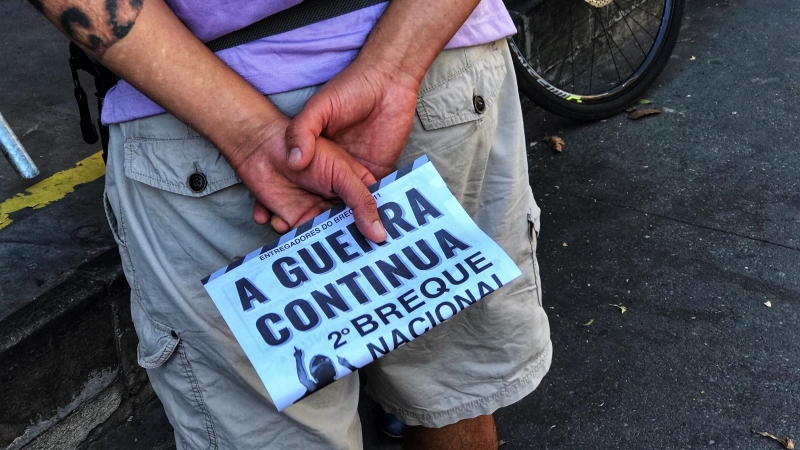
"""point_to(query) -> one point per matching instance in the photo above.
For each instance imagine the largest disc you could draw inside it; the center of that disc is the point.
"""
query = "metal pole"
(15, 153)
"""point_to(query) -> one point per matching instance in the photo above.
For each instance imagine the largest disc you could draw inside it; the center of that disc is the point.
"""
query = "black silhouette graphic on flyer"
(323, 371)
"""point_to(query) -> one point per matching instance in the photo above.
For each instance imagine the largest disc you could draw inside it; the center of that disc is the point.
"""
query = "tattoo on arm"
(121, 30)
(95, 24)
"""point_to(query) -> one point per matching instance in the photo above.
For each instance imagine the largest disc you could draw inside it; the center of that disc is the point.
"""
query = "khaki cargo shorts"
(170, 236)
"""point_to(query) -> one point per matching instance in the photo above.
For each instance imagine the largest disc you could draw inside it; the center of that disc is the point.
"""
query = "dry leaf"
(768, 304)
(591, 321)
(630, 109)
(692, 58)
(787, 443)
(622, 309)
(645, 101)
(639, 113)
(556, 143)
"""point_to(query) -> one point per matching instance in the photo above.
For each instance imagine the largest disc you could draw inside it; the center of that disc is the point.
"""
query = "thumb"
(302, 134)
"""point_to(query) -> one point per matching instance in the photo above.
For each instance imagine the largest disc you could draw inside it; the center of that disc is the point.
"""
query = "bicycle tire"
(582, 107)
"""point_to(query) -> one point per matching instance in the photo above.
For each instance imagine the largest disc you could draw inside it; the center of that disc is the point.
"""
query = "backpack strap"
(305, 13)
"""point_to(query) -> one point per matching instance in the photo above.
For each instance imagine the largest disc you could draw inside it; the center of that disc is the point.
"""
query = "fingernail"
(377, 228)
(295, 155)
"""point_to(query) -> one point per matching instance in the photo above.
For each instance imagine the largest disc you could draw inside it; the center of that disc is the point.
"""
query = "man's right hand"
(298, 196)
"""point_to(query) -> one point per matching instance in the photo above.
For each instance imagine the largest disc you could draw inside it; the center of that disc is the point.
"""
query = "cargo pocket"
(162, 352)
(462, 89)
(162, 152)
(117, 226)
(111, 218)
(157, 343)
(534, 223)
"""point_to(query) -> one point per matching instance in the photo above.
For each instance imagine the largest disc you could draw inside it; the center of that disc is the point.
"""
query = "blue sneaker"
(391, 425)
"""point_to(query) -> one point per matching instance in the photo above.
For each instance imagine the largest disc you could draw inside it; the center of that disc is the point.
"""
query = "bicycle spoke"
(646, 12)
(610, 50)
(564, 62)
(630, 29)
(608, 35)
(640, 8)
(643, 27)
(591, 67)
(555, 46)
(545, 63)
(572, 49)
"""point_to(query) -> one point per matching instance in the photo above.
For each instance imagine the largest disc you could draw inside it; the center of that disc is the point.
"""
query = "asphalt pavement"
(690, 220)
(40, 247)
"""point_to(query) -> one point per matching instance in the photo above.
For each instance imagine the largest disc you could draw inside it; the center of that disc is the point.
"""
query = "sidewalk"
(40, 247)
(689, 220)
(60, 293)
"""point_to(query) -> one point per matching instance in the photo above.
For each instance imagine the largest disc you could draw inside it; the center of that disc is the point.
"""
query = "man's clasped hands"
(347, 136)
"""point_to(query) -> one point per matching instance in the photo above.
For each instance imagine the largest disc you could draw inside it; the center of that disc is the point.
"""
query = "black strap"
(305, 13)
(103, 81)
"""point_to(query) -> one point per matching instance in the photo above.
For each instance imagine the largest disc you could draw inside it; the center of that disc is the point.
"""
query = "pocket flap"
(156, 342)
(449, 97)
(162, 154)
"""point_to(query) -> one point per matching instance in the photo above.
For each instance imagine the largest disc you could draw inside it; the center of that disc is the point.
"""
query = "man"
(182, 190)
(323, 372)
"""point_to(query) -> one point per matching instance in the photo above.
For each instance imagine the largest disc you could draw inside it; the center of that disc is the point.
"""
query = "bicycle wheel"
(590, 59)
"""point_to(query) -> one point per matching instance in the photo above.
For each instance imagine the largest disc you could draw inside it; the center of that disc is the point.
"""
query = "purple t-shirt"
(299, 58)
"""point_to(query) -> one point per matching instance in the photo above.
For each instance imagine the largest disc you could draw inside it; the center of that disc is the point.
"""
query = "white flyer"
(323, 301)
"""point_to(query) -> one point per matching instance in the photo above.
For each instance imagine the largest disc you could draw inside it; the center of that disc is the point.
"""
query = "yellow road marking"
(53, 188)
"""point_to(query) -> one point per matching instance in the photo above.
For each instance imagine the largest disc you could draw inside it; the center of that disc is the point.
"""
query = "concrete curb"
(69, 358)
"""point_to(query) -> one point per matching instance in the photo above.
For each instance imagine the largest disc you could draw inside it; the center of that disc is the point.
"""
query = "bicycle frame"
(15, 153)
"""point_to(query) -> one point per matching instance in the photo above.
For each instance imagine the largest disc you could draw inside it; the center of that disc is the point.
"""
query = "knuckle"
(368, 202)
(292, 131)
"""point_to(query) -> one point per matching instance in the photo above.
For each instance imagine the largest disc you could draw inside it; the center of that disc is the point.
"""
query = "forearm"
(411, 33)
(144, 43)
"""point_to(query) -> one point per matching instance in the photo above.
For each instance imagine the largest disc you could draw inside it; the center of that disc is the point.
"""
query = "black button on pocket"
(479, 103)
(197, 182)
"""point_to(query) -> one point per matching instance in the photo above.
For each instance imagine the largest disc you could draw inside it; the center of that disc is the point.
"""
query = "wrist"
(263, 134)
(384, 70)
(411, 34)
